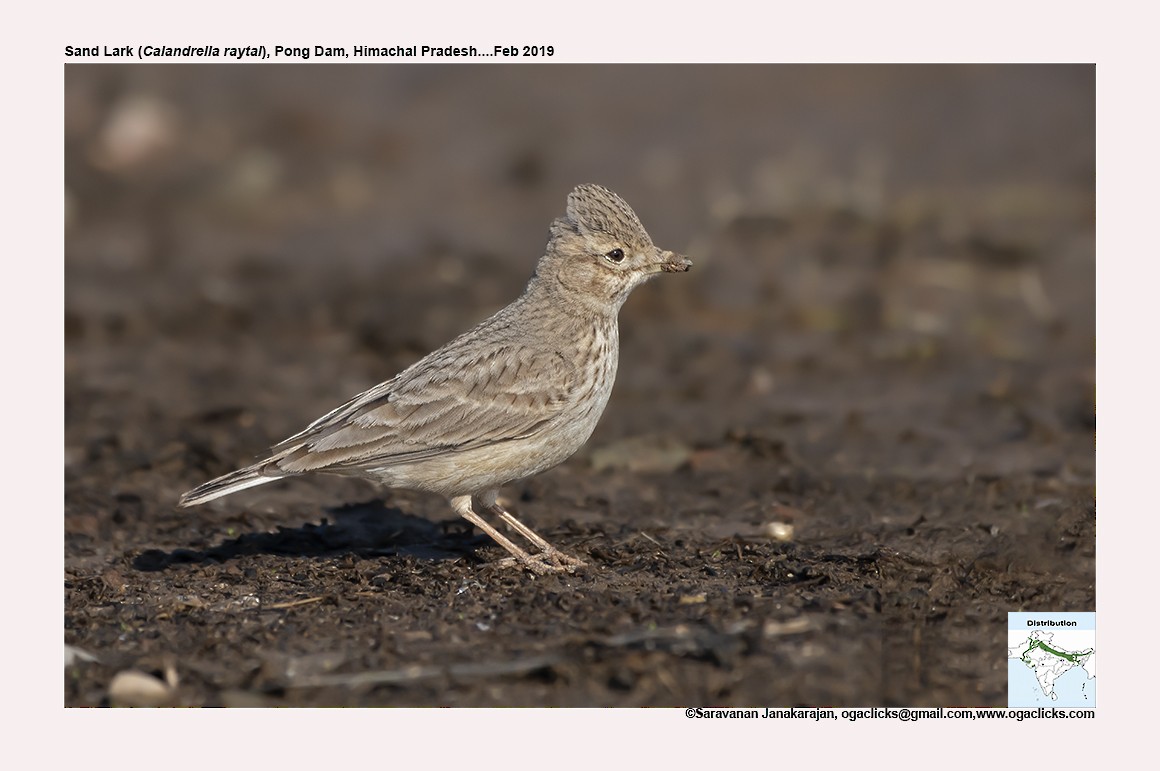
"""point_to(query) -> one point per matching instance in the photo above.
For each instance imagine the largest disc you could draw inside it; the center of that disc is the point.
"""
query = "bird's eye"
(616, 255)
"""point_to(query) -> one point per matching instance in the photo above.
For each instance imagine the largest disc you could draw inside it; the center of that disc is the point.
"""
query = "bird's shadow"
(369, 529)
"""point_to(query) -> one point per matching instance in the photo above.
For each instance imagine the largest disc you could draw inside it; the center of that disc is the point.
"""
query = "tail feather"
(251, 476)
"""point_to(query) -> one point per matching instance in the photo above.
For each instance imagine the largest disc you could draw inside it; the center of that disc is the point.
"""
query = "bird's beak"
(671, 262)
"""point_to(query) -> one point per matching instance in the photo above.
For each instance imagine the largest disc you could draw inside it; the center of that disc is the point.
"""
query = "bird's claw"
(544, 563)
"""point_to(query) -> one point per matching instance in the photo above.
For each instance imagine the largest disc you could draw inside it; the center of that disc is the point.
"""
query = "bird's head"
(599, 251)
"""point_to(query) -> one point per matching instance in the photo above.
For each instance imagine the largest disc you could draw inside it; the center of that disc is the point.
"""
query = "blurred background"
(888, 332)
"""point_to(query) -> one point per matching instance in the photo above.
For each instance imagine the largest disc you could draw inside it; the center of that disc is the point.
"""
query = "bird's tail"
(251, 476)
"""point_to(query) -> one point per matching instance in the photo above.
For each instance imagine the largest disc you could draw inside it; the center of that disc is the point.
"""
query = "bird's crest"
(596, 209)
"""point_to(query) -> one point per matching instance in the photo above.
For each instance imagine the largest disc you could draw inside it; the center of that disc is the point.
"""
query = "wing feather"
(448, 402)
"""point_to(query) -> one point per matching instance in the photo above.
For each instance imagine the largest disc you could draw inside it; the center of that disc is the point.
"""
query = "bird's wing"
(453, 400)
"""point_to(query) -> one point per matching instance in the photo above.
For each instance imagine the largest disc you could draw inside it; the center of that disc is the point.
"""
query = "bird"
(516, 395)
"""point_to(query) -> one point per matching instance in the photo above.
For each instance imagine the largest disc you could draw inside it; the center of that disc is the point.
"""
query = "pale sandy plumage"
(514, 396)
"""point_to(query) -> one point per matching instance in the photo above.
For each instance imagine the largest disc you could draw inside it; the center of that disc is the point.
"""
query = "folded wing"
(449, 402)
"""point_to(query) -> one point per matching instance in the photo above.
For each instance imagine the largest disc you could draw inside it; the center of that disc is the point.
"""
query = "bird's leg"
(547, 550)
(536, 564)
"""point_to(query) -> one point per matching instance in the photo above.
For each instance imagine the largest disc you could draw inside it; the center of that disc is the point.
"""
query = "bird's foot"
(548, 560)
(544, 563)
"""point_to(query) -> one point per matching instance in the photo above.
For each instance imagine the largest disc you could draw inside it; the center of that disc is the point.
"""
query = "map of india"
(1050, 660)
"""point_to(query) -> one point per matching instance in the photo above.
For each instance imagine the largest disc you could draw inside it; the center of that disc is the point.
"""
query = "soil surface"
(839, 451)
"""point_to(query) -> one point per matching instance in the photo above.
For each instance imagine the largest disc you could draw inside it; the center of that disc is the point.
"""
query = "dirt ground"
(838, 452)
